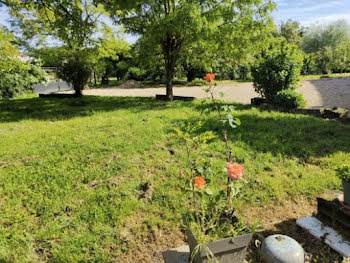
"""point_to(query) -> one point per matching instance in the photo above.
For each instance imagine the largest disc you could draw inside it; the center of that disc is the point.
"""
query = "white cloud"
(309, 7)
(312, 11)
(326, 19)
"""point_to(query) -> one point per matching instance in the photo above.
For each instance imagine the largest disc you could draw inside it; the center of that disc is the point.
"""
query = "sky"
(312, 11)
(307, 12)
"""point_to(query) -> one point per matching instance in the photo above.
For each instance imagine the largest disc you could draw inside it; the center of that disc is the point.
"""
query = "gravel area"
(327, 92)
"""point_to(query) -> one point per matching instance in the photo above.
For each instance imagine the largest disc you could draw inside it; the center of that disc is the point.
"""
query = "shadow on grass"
(61, 109)
(289, 134)
(293, 135)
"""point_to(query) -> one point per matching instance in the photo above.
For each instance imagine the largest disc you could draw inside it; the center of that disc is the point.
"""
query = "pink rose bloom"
(235, 171)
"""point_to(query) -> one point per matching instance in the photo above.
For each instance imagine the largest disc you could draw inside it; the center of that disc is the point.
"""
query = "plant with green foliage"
(73, 22)
(318, 36)
(289, 99)
(341, 57)
(76, 71)
(136, 73)
(16, 77)
(277, 69)
(344, 173)
(172, 26)
(292, 32)
(324, 60)
(50, 56)
(210, 212)
(327, 48)
(109, 51)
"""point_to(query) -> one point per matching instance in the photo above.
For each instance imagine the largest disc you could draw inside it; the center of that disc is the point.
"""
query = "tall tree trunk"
(170, 51)
(169, 82)
(95, 79)
(78, 91)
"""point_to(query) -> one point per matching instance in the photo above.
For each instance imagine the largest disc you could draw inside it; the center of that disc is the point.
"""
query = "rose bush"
(210, 210)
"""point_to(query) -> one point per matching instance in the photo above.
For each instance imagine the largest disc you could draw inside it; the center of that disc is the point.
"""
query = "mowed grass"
(88, 179)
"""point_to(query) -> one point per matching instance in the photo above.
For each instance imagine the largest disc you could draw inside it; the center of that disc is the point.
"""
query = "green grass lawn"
(90, 179)
(333, 75)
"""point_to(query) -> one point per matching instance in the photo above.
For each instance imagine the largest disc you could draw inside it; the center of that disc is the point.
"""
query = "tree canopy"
(319, 36)
(292, 32)
(71, 21)
(175, 25)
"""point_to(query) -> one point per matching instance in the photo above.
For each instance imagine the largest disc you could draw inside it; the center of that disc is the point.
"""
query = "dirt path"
(330, 92)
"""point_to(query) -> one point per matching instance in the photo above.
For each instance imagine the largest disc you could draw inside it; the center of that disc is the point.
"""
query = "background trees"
(73, 22)
(178, 39)
(318, 37)
(327, 48)
(108, 54)
(16, 77)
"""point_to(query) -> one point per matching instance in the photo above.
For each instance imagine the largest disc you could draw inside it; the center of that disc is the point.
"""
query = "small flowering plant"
(211, 213)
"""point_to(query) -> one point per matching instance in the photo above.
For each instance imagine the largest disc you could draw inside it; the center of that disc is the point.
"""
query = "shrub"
(77, 71)
(344, 173)
(278, 69)
(135, 73)
(289, 99)
(18, 78)
(197, 82)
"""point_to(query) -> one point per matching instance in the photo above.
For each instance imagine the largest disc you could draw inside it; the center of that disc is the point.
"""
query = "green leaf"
(209, 191)
(238, 121)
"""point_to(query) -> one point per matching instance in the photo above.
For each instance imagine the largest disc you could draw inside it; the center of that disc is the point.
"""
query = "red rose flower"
(209, 77)
(199, 182)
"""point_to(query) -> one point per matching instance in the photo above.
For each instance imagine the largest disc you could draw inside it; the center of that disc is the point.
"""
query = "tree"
(7, 49)
(292, 32)
(77, 71)
(73, 22)
(196, 60)
(324, 60)
(173, 25)
(318, 37)
(110, 49)
(342, 57)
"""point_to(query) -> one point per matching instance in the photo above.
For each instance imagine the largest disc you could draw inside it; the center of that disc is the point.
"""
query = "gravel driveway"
(328, 92)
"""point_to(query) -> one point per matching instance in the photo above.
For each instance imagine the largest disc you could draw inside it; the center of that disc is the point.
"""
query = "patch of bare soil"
(149, 247)
(276, 218)
(130, 84)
